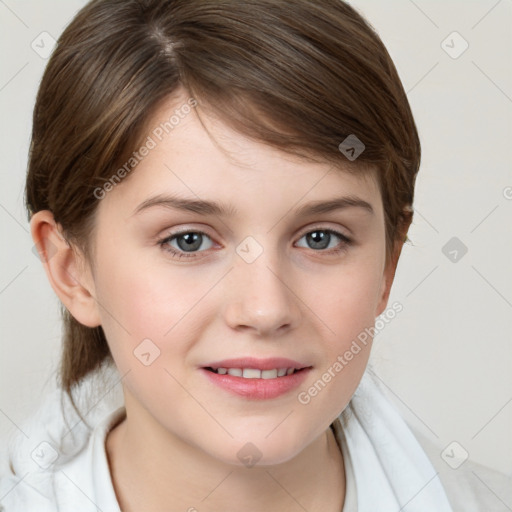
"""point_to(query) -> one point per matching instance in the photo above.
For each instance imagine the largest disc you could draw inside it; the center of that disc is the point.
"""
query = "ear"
(66, 269)
(390, 270)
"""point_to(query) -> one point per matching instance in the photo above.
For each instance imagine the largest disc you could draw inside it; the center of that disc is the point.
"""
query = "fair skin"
(177, 447)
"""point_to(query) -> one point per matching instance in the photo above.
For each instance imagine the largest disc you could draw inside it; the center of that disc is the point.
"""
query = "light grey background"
(446, 359)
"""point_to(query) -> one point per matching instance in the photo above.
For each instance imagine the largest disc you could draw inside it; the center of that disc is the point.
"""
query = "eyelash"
(345, 242)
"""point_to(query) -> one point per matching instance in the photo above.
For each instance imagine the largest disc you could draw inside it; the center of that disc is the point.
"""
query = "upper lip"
(260, 364)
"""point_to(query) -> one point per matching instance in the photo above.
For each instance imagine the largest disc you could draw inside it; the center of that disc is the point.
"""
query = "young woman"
(219, 191)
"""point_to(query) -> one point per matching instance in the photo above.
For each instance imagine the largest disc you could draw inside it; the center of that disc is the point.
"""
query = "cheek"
(346, 298)
(150, 326)
(142, 301)
(345, 302)
(346, 310)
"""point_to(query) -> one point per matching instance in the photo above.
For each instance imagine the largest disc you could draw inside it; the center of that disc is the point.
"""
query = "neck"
(150, 471)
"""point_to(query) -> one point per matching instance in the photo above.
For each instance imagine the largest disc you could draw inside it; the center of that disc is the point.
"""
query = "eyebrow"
(213, 208)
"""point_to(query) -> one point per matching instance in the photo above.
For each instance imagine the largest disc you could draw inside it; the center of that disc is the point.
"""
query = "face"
(264, 277)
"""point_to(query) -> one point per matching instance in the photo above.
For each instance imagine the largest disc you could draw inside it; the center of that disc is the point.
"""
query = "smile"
(256, 384)
(254, 373)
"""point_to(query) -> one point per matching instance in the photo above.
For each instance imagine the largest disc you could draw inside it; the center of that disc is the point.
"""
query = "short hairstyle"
(299, 75)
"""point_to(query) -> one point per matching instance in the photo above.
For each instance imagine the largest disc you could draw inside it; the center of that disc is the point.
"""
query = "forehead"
(203, 158)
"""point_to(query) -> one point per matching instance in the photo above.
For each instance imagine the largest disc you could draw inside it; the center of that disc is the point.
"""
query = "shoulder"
(50, 478)
(25, 483)
(52, 462)
(469, 486)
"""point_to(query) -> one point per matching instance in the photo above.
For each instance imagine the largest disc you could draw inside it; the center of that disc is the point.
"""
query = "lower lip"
(258, 389)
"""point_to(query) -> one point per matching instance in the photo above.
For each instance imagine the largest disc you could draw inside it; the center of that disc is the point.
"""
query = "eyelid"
(168, 233)
(304, 231)
(345, 241)
(338, 231)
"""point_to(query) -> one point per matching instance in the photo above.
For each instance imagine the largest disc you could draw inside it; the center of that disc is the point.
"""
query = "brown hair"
(300, 75)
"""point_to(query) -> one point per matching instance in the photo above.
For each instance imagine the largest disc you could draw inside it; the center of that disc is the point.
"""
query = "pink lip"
(260, 364)
(257, 389)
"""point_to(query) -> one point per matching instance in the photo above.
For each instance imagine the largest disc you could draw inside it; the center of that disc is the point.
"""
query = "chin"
(261, 452)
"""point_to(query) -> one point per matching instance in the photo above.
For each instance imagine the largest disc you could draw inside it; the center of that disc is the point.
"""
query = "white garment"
(386, 468)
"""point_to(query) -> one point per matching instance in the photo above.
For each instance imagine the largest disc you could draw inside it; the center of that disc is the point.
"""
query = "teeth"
(251, 373)
(268, 374)
(254, 373)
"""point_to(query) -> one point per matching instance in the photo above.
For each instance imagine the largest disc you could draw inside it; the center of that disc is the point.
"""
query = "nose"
(260, 297)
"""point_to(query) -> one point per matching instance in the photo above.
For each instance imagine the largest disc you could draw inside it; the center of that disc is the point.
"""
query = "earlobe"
(65, 268)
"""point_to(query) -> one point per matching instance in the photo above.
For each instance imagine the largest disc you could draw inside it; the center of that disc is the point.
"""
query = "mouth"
(255, 373)
(255, 368)
(257, 379)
